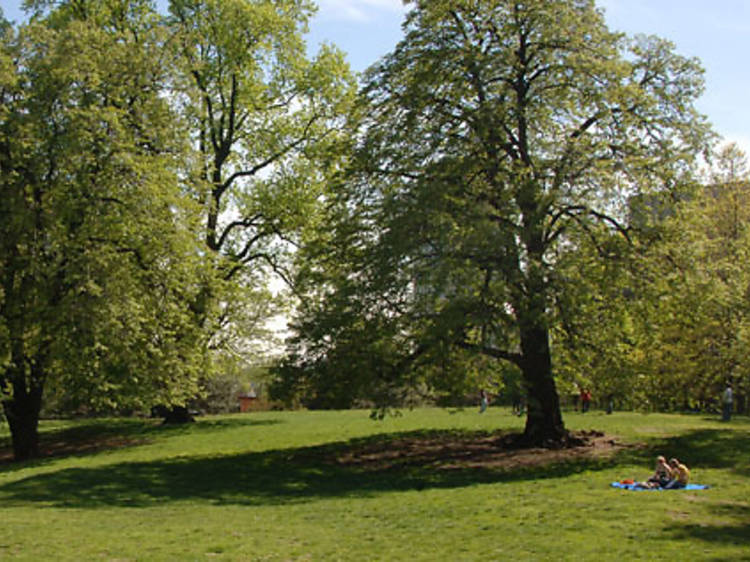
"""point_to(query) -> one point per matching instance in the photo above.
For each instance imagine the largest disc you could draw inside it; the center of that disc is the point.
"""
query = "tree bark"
(544, 424)
(22, 412)
(178, 415)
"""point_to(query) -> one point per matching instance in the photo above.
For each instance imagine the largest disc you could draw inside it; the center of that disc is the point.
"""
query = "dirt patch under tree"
(493, 451)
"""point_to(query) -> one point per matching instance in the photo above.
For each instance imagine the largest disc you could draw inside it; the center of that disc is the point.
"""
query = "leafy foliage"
(97, 248)
(501, 141)
(155, 169)
(261, 116)
(698, 311)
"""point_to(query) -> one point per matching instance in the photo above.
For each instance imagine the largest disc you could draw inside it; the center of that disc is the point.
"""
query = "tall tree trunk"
(22, 412)
(544, 425)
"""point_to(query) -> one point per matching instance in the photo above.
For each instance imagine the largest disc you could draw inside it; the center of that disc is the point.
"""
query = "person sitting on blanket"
(662, 474)
(661, 477)
(680, 475)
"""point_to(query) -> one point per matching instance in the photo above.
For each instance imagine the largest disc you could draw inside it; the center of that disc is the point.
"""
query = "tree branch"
(515, 358)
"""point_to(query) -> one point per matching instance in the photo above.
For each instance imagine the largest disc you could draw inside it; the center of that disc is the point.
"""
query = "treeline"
(669, 328)
(517, 199)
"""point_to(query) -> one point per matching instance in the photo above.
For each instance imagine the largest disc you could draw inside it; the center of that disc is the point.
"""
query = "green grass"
(263, 486)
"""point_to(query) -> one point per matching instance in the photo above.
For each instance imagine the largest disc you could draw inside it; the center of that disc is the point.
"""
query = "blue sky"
(715, 31)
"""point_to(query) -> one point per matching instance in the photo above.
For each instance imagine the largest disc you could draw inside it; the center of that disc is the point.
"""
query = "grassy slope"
(258, 487)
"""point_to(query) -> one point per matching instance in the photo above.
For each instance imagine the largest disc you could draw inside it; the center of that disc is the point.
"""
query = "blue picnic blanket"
(634, 488)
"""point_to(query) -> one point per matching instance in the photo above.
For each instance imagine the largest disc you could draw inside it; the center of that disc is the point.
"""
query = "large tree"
(97, 252)
(261, 115)
(213, 113)
(496, 134)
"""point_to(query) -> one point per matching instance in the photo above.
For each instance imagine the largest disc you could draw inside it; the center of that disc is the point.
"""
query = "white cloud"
(358, 10)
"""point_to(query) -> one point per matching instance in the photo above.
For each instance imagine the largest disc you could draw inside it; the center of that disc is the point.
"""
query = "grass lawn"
(339, 486)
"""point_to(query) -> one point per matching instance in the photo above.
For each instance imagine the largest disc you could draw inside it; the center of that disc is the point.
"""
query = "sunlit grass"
(263, 487)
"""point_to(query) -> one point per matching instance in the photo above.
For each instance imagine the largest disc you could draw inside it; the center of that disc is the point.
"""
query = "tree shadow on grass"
(96, 436)
(736, 532)
(737, 420)
(706, 448)
(282, 476)
(362, 467)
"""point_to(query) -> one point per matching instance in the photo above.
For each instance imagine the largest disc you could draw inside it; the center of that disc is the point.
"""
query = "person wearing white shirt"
(726, 400)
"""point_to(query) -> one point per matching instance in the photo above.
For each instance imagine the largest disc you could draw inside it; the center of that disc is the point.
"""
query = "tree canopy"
(261, 117)
(97, 246)
(154, 169)
(493, 138)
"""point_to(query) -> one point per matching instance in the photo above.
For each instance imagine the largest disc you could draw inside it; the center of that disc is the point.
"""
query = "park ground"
(430, 484)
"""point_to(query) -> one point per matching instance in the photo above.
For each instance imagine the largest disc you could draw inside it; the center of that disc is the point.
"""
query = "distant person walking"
(522, 406)
(727, 400)
(484, 400)
(585, 400)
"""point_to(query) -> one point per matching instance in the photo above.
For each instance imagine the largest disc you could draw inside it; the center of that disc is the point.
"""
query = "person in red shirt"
(585, 400)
